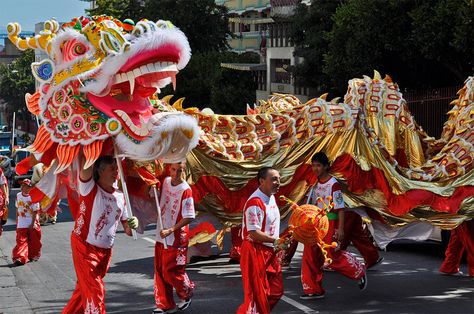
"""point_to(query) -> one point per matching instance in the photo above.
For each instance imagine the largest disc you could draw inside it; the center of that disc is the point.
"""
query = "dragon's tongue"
(134, 106)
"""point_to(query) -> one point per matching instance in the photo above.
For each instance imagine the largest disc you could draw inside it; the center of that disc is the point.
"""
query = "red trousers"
(236, 241)
(312, 264)
(170, 273)
(462, 239)
(261, 278)
(360, 238)
(91, 264)
(28, 244)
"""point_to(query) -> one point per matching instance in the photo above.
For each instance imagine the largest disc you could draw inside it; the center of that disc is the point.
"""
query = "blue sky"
(30, 12)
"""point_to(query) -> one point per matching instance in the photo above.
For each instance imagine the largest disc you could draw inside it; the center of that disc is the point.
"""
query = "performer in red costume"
(177, 211)
(101, 208)
(28, 230)
(462, 239)
(355, 232)
(261, 271)
(328, 188)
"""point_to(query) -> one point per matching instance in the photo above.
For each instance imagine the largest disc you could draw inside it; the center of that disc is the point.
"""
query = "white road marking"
(298, 305)
(292, 302)
(149, 240)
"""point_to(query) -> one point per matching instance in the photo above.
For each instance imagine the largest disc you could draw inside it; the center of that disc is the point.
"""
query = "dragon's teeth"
(173, 80)
(151, 67)
(131, 80)
(137, 72)
(144, 69)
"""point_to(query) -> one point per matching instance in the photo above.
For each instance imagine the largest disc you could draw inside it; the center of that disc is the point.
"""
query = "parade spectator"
(101, 208)
(327, 189)
(177, 208)
(261, 271)
(28, 230)
(461, 240)
(4, 200)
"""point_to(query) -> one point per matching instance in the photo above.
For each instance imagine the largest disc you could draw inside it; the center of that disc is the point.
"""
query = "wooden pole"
(125, 191)
(13, 130)
(158, 209)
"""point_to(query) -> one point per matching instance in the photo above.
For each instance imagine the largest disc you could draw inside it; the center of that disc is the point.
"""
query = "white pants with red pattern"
(170, 265)
(91, 264)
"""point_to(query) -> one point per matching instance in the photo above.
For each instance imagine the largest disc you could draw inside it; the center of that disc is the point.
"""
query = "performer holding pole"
(101, 208)
(158, 209)
(170, 261)
(125, 191)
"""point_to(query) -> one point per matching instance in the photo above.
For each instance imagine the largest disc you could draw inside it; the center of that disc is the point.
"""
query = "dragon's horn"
(178, 104)
(41, 41)
(377, 75)
(92, 152)
(167, 99)
(324, 96)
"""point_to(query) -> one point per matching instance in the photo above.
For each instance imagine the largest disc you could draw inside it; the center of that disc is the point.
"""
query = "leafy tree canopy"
(419, 43)
(16, 80)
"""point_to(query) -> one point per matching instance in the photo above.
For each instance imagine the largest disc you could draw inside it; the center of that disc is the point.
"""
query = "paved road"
(407, 281)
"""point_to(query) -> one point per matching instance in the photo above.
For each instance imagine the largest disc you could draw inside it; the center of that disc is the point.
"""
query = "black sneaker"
(379, 261)
(363, 283)
(161, 311)
(18, 263)
(312, 296)
(184, 304)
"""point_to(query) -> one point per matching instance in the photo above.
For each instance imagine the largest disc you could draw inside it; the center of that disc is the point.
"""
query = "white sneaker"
(184, 304)
(161, 311)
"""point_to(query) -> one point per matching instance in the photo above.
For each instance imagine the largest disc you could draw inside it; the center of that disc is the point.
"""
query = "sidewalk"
(12, 298)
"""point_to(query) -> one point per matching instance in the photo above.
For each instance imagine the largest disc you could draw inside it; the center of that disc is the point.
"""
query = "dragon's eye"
(73, 49)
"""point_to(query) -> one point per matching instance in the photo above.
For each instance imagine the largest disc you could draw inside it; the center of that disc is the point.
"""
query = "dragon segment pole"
(125, 191)
(158, 209)
(13, 131)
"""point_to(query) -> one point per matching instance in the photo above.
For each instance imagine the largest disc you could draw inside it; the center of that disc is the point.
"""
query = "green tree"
(368, 35)
(308, 33)
(15, 81)
(205, 23)
(204, 83)
(121, 9)
(421, 44)
(443, 33)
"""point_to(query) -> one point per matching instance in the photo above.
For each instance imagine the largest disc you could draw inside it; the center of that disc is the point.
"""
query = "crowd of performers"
(257, 245)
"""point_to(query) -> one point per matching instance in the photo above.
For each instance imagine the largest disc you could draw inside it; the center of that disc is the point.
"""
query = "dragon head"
(97, 82)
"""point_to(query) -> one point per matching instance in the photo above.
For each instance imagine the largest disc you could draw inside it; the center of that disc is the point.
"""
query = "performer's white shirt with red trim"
(24, 210)
(325, 189)
(261, 213)
(99, 214)
(176, 203)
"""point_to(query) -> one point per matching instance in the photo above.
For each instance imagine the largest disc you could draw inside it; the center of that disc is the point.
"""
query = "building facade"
(263, 27)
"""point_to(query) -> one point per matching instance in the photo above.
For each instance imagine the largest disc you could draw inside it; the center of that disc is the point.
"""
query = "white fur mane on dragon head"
(99, 81)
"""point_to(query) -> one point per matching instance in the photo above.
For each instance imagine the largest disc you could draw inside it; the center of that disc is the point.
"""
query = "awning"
(251, 20)
(245, 66)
